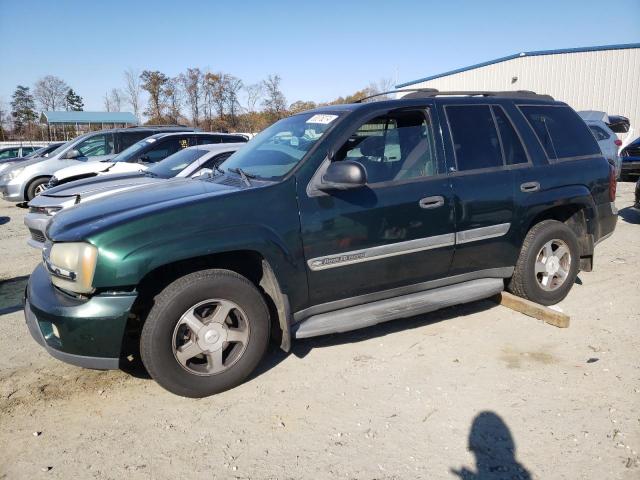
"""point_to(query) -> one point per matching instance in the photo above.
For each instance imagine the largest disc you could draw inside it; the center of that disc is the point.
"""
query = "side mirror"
(203, 172)
(73, 154)
(143, 159)
(343, 175)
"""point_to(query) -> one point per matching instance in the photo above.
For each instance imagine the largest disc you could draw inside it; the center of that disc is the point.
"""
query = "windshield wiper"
(148, 173)
(244, 175)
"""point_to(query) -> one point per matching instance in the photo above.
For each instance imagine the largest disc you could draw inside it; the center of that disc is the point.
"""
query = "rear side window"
(206, 139)
(129, 138)
(598, 132)
(562, 133)
(475, 138)
(514, 152)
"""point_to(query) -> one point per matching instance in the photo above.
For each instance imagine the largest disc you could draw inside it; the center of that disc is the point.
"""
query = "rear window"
(562, 133)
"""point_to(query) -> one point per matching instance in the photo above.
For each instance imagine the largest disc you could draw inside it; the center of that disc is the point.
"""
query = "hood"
(91, 188)
(80, 221)
(81, 168)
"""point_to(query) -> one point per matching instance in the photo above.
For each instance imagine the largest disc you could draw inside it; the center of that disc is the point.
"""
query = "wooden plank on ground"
(546, 314)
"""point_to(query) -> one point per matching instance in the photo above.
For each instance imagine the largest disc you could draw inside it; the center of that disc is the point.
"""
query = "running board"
(361, 316)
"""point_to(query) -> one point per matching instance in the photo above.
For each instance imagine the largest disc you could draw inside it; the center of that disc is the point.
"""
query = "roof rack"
(432, 92)
(176, 125)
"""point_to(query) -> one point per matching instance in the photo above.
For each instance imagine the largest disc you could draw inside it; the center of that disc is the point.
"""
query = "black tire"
(524, 282)
(156, 342)
(35, 186)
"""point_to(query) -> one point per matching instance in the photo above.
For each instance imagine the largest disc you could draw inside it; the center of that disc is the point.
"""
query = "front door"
(394, 232)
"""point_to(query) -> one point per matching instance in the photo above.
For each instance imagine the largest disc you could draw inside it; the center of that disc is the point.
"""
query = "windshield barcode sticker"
(322, 119)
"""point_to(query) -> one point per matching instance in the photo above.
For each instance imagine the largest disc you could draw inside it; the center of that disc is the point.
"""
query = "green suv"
(330, 220)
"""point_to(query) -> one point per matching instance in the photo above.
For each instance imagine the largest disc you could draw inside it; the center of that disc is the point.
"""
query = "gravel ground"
(472, 392)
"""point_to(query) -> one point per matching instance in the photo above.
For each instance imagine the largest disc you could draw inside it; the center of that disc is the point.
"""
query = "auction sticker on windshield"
(322, 118)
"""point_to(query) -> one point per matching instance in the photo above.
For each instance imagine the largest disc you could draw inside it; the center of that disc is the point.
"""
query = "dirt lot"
(472, 392)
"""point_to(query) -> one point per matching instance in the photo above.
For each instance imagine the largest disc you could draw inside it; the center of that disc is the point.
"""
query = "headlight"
(72, 265)
(7, 177)
(50, 211)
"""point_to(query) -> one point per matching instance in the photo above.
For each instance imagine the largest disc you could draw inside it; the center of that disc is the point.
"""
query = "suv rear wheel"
(206, 332)
(548, 263)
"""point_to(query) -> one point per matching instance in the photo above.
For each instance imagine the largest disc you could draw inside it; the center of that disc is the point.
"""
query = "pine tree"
(73, 101)
(22, 108)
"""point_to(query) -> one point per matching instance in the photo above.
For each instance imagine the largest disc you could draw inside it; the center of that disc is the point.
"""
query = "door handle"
(431, 202)
(529, 187)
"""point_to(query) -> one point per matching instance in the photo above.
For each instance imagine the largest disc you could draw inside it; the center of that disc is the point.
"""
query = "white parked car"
(190, 162)
(142, 154)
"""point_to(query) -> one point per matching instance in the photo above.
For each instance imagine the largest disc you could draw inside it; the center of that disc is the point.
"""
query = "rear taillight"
(612, 183)
(618, 142)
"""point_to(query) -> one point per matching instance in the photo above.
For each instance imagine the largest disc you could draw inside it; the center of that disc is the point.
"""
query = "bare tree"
(132, 90)
(233, 85)
(192, 84)
(381, 86)
(254, 93)
(50, 92)
(274, 102)
(154, 82)
(173, 97)
(113, 100)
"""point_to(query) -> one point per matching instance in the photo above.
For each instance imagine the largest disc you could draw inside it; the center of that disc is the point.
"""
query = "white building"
(604, 78)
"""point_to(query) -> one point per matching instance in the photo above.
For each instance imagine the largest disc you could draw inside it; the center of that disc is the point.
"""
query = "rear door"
(486, 149)
(395, 232)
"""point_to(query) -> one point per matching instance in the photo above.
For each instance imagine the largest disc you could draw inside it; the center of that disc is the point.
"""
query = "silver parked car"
(27, 179)
(190, 162)
(607, 140)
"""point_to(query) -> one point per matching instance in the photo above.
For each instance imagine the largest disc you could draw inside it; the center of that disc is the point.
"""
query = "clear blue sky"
(321, 49)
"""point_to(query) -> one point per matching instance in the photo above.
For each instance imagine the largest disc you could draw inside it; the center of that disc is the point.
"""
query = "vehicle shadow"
(11, 293)
(630, 215)
(4, 220)
(300, 348)
(494, 449)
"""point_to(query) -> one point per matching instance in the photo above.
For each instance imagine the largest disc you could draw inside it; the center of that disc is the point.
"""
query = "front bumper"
(37, 224)
(83, 332)
(12, 192)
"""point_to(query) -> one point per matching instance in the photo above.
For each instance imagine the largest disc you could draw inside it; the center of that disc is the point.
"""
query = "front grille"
(631, 151)
(37, 235)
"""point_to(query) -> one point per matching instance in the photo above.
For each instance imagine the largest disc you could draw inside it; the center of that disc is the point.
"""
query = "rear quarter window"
(561, 131)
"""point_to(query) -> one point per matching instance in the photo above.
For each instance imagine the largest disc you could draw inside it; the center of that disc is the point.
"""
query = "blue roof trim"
(90, 117)
(622, 46)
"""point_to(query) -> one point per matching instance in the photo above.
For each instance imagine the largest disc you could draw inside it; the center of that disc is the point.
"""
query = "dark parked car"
(42, 152)
(17, 152)
(330, 220)
(630, 156)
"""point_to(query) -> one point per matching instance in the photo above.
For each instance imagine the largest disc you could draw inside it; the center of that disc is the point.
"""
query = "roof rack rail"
(432, 92)
(177, 125)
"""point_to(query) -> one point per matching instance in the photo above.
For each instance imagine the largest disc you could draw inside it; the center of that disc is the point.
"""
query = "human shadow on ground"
(494, 449)
(630, 215)
(4, 220)
(11, 293)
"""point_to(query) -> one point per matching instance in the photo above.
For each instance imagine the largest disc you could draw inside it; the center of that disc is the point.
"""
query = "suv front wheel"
(548, 263)
(206, 332)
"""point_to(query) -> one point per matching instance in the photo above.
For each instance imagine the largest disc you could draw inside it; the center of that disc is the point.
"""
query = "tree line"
(196, 97)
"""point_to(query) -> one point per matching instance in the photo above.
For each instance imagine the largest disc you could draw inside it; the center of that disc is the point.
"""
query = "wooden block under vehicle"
(546, 314)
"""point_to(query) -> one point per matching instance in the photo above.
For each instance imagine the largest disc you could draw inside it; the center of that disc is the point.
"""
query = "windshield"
(60, 149)
(174, 164)
(130, 152)
(276, 150)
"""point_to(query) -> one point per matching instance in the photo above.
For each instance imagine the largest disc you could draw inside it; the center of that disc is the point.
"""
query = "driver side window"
(96, 145)
(394, 147)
